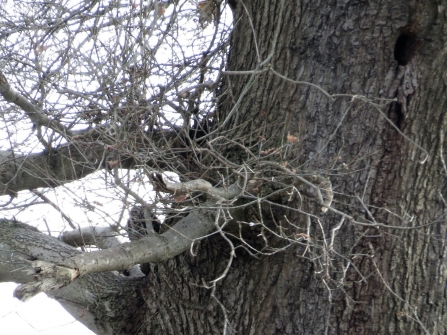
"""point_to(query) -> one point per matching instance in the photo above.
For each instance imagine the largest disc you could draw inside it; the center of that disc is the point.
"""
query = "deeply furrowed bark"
(396, 279)
(371, 280)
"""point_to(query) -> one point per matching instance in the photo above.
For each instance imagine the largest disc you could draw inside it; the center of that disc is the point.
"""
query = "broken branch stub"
(47, 277)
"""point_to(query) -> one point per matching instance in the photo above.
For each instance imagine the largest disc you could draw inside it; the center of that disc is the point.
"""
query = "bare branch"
(47, 169)
(151, 249)
(198, 185)
(102, 237)
(37, 117)
(56, 207)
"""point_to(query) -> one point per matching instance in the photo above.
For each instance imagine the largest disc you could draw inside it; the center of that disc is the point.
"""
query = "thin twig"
(56, 207)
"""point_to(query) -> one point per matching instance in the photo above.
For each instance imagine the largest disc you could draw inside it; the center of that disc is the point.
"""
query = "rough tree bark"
(396, 281)
(351, 47)
(377, 268)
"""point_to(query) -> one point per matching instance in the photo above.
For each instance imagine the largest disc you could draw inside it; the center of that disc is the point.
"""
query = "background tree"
(298, 166)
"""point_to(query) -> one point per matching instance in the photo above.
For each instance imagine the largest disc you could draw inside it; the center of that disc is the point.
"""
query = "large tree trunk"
(373, 263)
(375, 280)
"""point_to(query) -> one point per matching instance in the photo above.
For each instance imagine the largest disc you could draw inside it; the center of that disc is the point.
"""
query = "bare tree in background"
(282, 174)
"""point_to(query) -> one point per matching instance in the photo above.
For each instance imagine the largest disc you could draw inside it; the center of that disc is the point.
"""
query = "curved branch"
(197, 185)
(51, 274)
(101, 237)
(321, 186)
(151, 249)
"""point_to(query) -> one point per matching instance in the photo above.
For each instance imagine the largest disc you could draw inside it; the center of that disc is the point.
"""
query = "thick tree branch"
(66, 164)
(151, 249)
(47, 277)
(51, 274)
(21, 250)
(101, 237)
(75, 160)
(87, 299)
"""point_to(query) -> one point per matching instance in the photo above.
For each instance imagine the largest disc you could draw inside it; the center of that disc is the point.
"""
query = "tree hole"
(407, 45)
